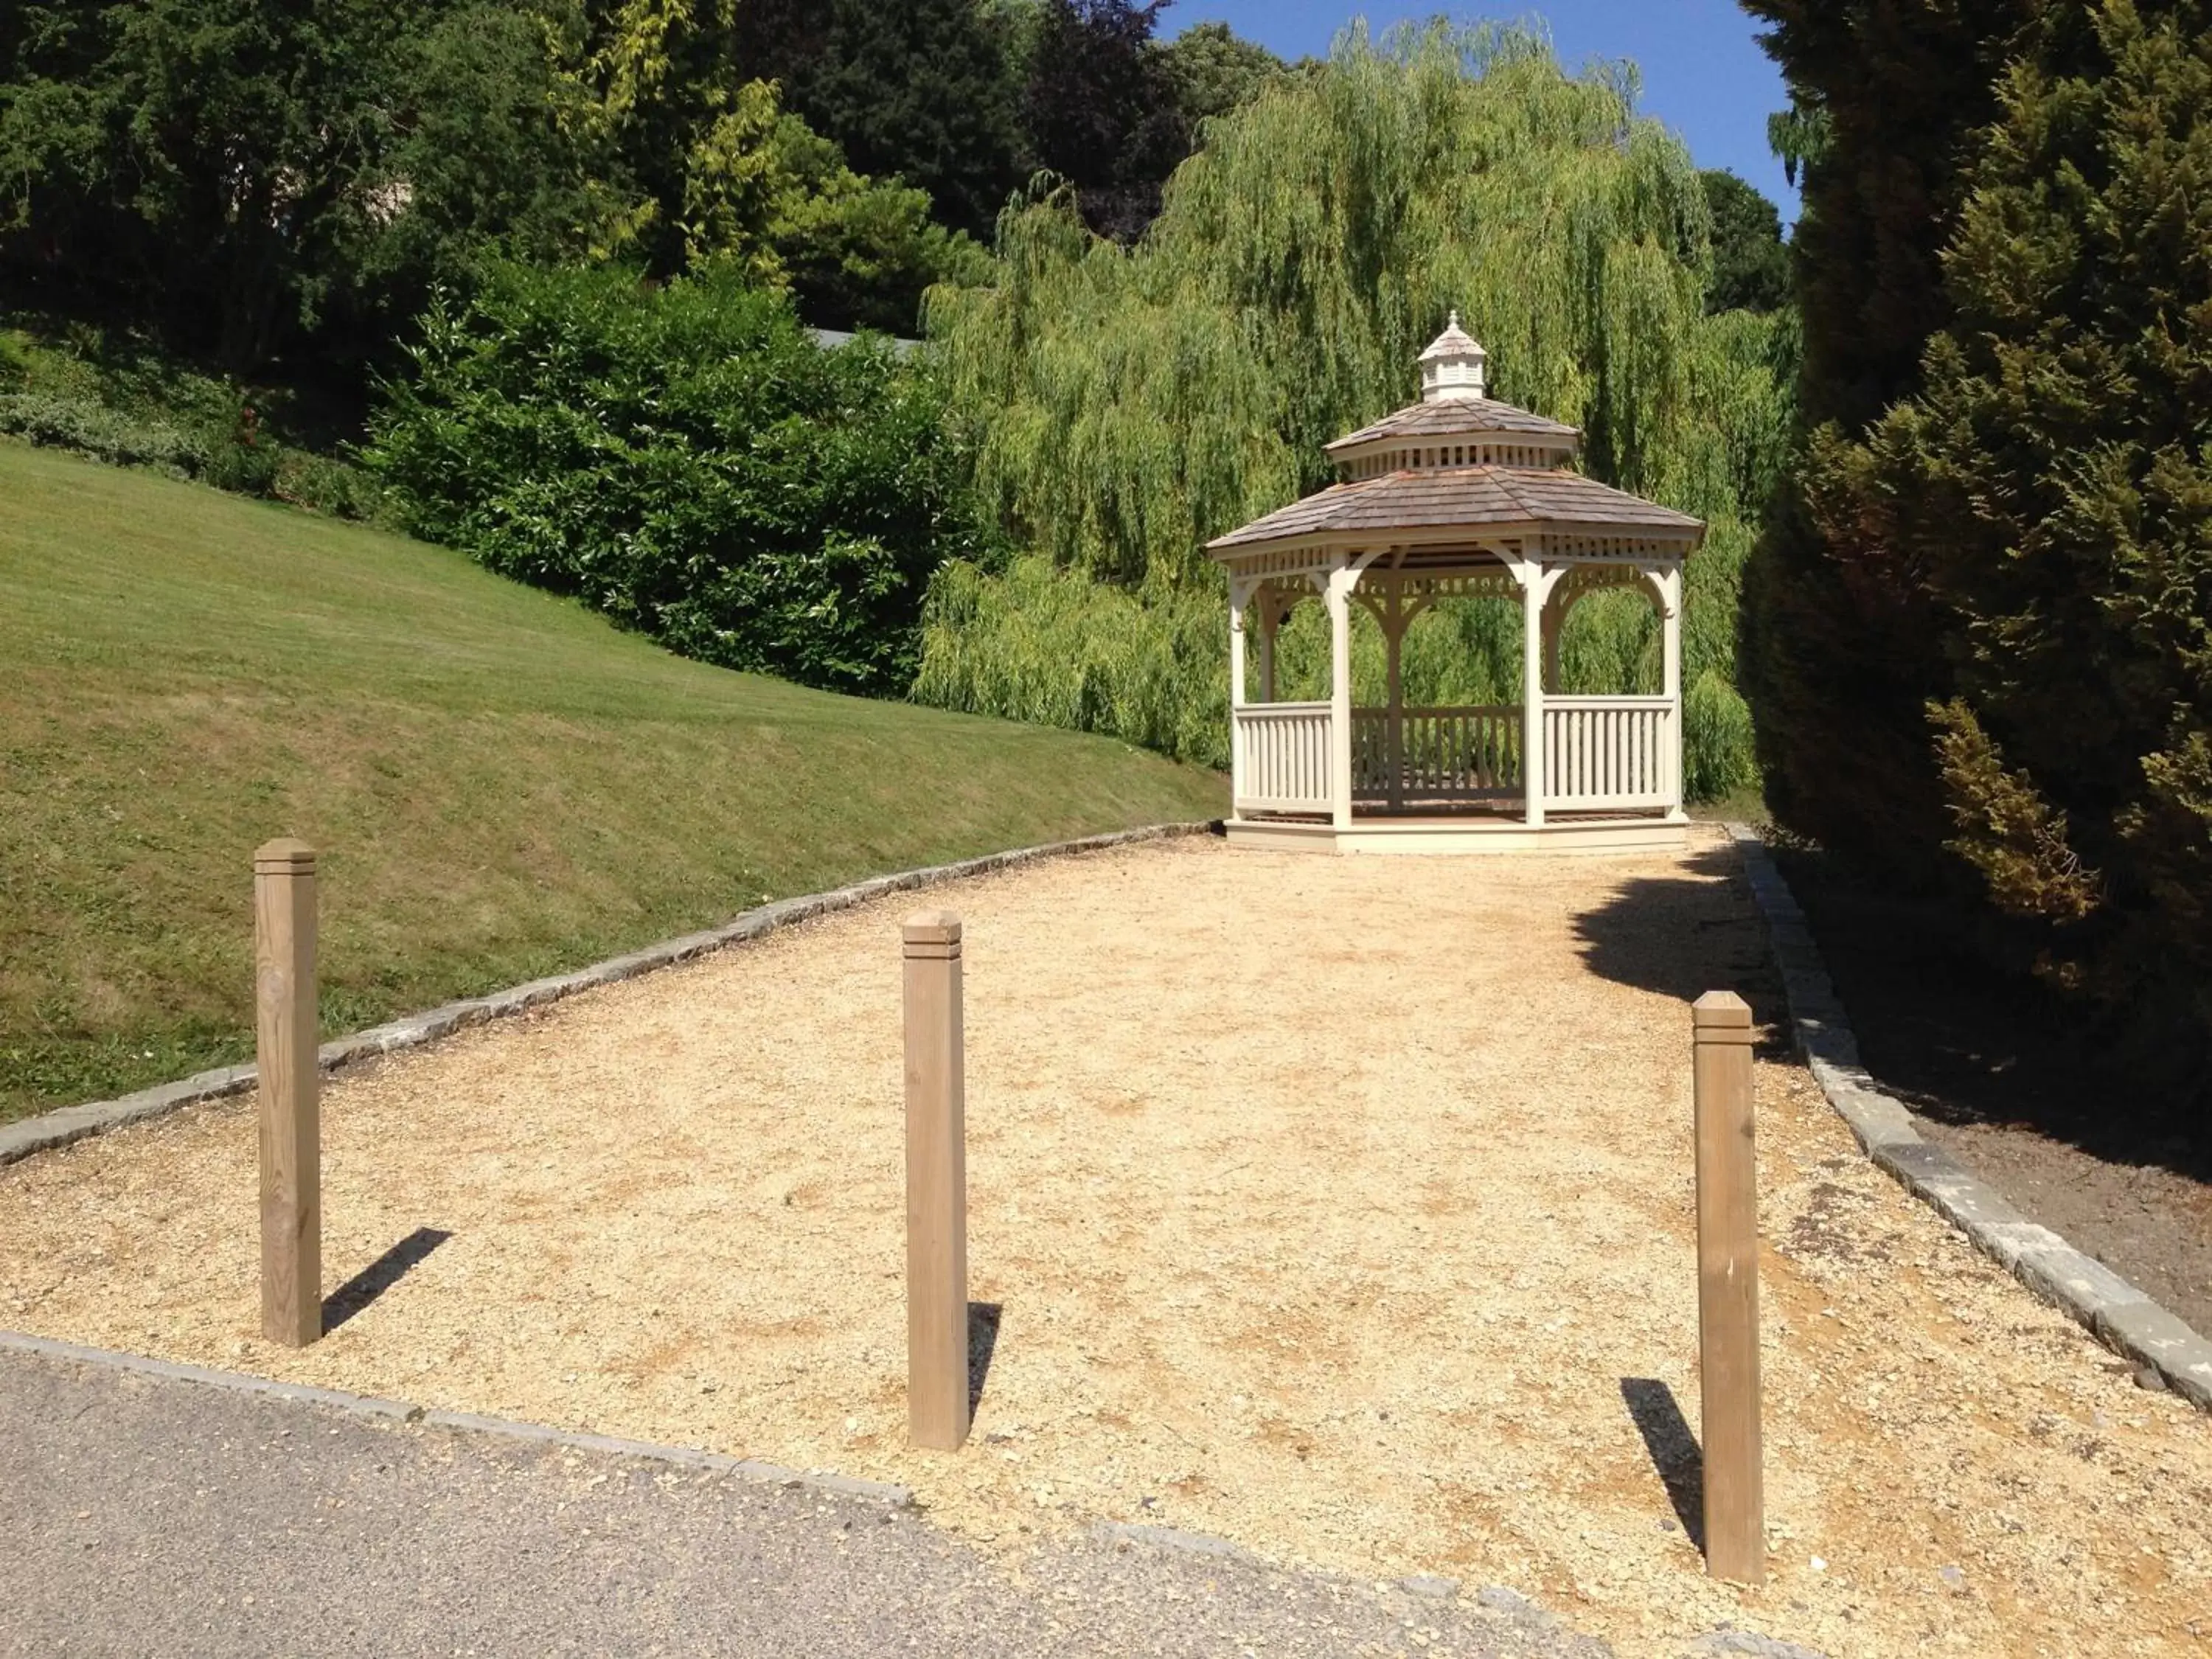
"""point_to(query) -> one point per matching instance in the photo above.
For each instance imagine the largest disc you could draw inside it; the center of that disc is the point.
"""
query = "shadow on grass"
(982, 1343)
(379, 1276)
(1674, 1450)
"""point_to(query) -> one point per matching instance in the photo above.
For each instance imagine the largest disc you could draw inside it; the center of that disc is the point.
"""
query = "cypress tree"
(2052, 486)
(1840, 651)
(1750, 266)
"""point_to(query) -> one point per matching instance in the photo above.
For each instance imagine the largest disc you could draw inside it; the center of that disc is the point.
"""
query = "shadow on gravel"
(1683, 937)
(982, 1343)
(1673, 1449)
(379, 1276)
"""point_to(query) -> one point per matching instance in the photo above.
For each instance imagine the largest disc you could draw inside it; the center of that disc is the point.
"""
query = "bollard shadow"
(982, 1343)
(379, 1276)
(1674, 1450)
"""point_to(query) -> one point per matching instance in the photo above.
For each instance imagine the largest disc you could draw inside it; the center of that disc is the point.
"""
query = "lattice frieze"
(1279, 563)
(1498, 584)
(1563, 547)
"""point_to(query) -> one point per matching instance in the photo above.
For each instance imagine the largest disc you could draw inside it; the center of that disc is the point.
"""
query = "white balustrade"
(1282, 757)
(1606, 752)
(1443, 755)
(1599, 754)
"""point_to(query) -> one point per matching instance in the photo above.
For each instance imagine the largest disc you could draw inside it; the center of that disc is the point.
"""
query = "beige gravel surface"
(1340, 1207)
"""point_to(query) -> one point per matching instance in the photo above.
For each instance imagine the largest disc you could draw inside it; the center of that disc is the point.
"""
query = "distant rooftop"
(830, 338)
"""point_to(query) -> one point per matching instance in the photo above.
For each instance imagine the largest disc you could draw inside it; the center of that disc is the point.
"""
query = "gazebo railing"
(1283, 757)
(1443, 755)
(1601, 752)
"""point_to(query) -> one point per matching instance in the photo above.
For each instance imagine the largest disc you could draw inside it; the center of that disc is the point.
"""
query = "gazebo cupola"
(1451, 368)
(1458, 495)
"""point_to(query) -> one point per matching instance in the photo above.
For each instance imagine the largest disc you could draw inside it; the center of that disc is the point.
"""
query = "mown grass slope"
(502, 785)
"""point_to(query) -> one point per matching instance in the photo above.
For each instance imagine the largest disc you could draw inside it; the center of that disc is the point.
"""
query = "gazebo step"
(1463, 834)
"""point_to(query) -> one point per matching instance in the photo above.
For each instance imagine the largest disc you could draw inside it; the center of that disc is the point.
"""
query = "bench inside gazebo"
(1456, 496)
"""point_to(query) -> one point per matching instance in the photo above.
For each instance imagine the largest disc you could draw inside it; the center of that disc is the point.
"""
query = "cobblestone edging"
(2120, 1316)
(398, 1411)
(69, 1123)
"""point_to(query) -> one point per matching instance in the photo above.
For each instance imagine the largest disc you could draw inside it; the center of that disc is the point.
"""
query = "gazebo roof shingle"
(1471, 496)
(1451, 417)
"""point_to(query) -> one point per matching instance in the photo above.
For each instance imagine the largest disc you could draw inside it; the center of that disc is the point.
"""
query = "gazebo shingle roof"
(1472, 497)
(1451, 417)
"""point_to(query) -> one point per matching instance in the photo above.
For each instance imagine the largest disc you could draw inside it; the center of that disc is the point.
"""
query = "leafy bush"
(116, 399)
(107, 434)
(1049, 646)
(688, 460)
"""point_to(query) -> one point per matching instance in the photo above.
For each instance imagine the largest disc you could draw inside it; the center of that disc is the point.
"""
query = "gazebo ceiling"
(1461, 461)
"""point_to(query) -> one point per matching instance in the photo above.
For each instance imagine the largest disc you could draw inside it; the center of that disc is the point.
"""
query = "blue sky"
(1703, 74)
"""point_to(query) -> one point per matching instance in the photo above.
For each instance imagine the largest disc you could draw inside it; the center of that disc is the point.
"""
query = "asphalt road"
(153, 1516)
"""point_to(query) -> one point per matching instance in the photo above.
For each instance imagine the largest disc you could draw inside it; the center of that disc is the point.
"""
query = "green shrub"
(322, 483)
(107, 434)
(1051, 646)
(113, 398)
(688, 460)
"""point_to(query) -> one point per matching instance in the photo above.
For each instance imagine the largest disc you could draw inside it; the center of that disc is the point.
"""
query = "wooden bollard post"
(1728, 1289)
(936, 1185)
(291, 1113)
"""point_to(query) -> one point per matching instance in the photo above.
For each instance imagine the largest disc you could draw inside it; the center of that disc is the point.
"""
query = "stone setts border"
(2120, 1316)
(69, 1123)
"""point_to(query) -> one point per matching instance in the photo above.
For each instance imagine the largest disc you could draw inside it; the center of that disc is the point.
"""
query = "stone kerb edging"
(69, 1123)
(2120, 1316)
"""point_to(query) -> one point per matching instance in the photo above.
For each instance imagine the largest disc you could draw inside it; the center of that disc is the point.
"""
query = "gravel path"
(146, 1516)
(1340, 1207)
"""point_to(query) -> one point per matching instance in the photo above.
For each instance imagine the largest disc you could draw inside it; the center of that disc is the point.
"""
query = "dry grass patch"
(1340, 1207)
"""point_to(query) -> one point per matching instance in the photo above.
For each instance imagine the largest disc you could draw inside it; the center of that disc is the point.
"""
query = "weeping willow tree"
(1123, 406)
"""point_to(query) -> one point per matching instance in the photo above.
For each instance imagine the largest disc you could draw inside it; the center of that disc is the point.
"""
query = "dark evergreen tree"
(1214, 70)
(250, 178)
(1750, 266)
(2052, 486)
(926, 90)
(1841, 651)
(1102, 109)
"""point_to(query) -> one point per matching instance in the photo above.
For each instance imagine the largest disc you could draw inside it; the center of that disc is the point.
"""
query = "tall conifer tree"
(1841, 652)
(2052, 485)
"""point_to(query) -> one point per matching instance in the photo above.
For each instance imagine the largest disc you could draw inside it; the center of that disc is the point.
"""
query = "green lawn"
(500, 784)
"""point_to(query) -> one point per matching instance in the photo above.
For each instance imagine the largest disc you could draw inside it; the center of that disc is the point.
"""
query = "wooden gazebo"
(1456, 496)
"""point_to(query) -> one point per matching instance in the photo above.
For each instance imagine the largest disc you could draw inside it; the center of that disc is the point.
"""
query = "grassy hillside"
(502, 785)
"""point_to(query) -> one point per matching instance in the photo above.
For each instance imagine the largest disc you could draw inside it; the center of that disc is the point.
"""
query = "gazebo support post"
(1535, 590)
(1239, 592)
(1670, 632)
(1270, 620)
(1340, 582)
(1394, 636)
(1555, 622)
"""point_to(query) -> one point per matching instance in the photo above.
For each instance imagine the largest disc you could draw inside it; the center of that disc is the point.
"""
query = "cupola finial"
(1452, 366)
